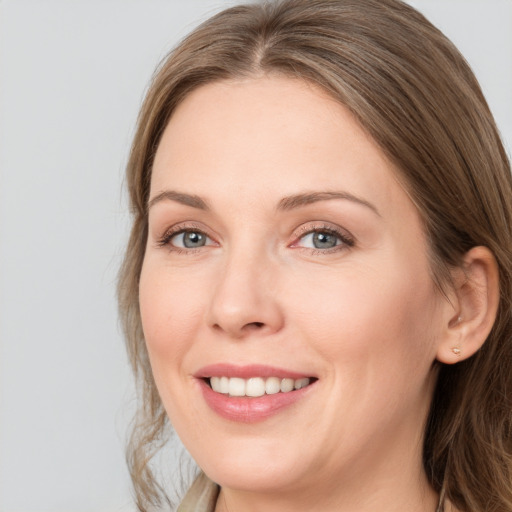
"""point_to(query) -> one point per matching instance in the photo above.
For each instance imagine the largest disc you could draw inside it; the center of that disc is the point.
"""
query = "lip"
(247, 371)
(249, 409)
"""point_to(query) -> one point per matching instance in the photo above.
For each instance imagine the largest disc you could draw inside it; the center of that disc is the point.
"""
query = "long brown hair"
(413, 92)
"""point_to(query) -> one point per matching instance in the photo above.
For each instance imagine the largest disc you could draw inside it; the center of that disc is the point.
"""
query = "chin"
(258, 465)
(261, 477)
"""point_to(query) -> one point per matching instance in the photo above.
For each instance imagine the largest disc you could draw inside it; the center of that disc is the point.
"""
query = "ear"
(473, 306)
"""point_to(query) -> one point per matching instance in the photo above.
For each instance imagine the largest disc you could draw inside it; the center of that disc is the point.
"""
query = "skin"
(363, 317)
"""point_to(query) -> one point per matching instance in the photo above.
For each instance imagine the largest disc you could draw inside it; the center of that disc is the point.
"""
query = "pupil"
(193, 239)
(324, 240)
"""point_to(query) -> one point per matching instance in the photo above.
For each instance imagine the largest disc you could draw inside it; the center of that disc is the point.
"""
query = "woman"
(316, 291)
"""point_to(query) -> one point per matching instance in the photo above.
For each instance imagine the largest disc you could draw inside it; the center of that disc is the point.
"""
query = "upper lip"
(247, 371)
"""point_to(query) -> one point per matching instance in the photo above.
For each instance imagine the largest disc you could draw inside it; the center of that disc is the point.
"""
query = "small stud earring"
(456, 351)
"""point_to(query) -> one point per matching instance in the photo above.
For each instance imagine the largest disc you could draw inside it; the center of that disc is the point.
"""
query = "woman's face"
(282, 251)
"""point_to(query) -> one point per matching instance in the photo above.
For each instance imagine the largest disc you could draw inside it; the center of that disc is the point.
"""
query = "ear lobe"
(476, 299)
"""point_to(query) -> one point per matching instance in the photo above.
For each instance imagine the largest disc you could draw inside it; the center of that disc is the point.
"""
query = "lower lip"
(249, 409)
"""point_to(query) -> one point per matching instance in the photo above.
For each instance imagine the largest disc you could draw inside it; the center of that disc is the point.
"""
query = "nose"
(244, 300)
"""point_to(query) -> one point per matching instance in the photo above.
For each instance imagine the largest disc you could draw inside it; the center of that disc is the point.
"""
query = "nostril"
(251, 326)
(255, 325)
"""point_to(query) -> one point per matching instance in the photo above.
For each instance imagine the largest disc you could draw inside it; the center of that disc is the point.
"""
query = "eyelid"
(183, 227)
(346, 238)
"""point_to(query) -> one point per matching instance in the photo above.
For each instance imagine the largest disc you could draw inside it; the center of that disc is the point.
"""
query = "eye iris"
(324, 240)
(193, 239)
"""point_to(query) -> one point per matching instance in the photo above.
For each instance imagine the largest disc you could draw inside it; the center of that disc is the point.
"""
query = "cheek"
(375, 317)
(170, 313)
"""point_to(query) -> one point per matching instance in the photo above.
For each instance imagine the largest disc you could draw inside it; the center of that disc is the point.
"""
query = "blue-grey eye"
(320, 240)
(189, 239)
(324, 240)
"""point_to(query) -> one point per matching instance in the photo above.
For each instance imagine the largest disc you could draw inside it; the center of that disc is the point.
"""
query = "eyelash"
(347, 241)
(165, 239)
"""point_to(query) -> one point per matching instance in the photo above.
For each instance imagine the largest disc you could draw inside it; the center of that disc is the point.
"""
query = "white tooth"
(287, 385)
(236, 386)
(255, 387)
(272, 386)
(301, 383)
(215, 384)
(224, 385)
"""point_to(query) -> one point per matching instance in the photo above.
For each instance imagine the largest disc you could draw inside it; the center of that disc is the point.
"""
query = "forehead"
(266, 137)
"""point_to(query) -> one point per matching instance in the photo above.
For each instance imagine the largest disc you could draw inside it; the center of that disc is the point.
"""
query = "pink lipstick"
(252, 393)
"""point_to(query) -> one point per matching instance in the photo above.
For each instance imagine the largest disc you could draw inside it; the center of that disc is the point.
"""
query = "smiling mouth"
(256, 386)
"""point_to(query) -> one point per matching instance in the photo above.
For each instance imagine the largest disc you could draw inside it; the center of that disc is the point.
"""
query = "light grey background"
(72, 76)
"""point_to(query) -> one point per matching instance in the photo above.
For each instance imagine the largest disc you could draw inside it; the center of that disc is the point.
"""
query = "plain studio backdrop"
(72, 77)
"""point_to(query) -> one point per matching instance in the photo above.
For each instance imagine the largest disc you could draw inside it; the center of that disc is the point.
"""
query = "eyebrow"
(179, 197)
(300, 200)
(285, 204)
